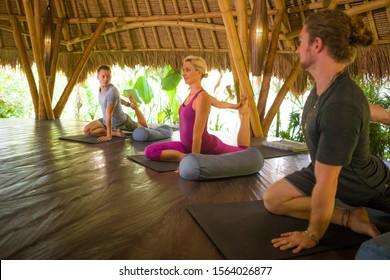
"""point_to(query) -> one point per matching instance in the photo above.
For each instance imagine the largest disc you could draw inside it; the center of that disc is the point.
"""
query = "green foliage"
(144, 90)
(15, 98)
(294, 128)
(216, 126)
(133, 92)
(379, 134)
(171, 80)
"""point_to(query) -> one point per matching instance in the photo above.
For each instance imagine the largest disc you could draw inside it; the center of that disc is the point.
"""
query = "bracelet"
(345, 217)
(312, 236)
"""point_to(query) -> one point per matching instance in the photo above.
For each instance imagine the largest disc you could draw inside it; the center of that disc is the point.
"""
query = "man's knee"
(273, 198)
(270, 200)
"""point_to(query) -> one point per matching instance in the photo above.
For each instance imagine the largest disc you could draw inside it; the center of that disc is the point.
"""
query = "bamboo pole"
(26, 66)
(239, 63)
(65, 30)
(56, 52)
(263, 96)
(281, 95)
(38, 59)
(38, 38)
(235, 76)
(73, 79)
(369, 6)
(242, 28)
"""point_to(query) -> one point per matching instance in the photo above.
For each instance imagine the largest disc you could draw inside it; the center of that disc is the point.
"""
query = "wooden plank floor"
(68, 200)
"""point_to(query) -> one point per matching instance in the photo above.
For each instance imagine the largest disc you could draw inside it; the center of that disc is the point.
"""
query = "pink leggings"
(153, 151)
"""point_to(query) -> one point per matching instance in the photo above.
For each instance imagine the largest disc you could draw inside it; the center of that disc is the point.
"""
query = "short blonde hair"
(199, 64)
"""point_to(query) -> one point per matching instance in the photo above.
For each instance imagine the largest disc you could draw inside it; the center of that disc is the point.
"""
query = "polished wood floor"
(68, 200)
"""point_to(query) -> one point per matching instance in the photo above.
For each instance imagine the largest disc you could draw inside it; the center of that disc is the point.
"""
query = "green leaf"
(133, 92)
(161, 117)
(171, 80)
(144, 90)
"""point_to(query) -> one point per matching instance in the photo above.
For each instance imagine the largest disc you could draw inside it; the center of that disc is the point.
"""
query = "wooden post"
(73, 79)
(26, 65)
(56, 52)
(239, 63)
(281, 95)
(263, 96)
(242, 29)
(38, 59)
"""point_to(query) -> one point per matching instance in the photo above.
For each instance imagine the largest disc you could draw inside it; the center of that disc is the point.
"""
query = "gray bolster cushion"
(206, 167)
(143, 134)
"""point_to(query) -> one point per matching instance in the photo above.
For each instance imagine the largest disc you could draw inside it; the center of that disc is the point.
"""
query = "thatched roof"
(155, 32)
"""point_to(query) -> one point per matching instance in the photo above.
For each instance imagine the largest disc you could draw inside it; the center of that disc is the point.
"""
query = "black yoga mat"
(244, 230)
(160, 166)
(269, 152)
(89, 139)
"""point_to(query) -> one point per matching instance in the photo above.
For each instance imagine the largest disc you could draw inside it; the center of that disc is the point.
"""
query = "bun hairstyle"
(339, 33)
(199, 64)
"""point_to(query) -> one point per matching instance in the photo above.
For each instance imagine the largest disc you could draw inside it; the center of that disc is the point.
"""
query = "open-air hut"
(75, 37)
(69, 201)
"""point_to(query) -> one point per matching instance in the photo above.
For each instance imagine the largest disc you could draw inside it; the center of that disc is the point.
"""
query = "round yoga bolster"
(143, 134)
(206, 167)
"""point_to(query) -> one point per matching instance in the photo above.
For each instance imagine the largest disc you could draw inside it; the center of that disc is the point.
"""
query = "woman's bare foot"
(359, 222)
(244, 108)
(118, 133)
(133, 103)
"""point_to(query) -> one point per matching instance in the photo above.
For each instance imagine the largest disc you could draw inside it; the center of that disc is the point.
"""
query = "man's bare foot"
(118, 132)
(359, 222)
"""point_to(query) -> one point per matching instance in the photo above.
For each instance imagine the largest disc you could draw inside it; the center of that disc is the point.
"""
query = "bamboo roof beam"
(72, 81)
(197, 34)
(85, 6)
(303, 8)
(333, 4)
(106, 42)
(369, 6)
(65, 31)
(26, 65)
(280, 97)
(111, 13)
(372, 25)
(177, 16)
(154, 30)
(263, 96)
(167, 29)
(127, 31)
(136, 25)
(286, 28)
(141, 31)
(212, 33)
(76, 14)
(182, 32)
(239, 64)
(38, 57)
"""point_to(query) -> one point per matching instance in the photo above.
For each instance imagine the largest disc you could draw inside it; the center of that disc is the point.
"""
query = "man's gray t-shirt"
(337, 133)
(111, 96)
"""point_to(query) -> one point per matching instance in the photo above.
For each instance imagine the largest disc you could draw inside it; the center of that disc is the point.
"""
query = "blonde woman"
(193, 114)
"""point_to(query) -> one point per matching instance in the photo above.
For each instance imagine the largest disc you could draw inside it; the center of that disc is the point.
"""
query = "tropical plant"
(294, 129)
(379, 134)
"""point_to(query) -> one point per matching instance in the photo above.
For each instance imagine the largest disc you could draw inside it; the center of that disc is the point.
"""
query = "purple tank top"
(186, 126)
